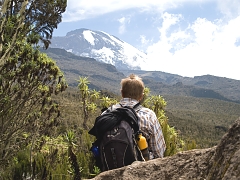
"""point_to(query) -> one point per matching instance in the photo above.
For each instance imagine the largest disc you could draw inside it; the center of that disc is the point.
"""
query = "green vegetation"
(67, 155)
(204, 120)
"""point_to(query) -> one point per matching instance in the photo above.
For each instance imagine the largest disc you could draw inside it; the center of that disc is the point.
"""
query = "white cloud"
(144, 40)
(123, 21)
(204, 47)
(231, 8)
(84, 9)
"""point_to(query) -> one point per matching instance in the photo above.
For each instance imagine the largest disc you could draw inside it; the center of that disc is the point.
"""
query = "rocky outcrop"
(225, 163)
(219, 162)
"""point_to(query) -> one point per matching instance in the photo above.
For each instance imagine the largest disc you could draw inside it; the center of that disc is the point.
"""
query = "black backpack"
(116, 131)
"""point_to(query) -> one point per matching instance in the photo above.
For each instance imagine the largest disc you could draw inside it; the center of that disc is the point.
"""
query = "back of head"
(132, 87)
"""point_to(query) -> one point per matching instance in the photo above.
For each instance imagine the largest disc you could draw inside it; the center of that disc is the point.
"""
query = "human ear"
(141, 97)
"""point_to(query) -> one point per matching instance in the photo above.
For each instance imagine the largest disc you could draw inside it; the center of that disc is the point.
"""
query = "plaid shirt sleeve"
(152, 130)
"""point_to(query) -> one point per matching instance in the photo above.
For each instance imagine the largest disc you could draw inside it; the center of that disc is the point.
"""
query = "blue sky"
(185, 37)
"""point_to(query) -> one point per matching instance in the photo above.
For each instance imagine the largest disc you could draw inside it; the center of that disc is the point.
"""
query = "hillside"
(107, 77)
(198, 113)
(102, 76)
(202, 119)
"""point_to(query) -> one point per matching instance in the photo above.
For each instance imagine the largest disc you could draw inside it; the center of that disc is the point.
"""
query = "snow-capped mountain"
(102, 47)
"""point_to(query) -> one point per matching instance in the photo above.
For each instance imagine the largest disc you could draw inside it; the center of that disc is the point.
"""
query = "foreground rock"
(220, 162)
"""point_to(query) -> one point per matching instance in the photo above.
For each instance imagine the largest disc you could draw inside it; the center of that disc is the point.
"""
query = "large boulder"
(219, 162)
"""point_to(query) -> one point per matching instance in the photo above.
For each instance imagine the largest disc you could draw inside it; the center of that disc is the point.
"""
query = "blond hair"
(132, 87)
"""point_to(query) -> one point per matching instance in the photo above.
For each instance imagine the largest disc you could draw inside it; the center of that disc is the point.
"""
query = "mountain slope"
(101, 76)
(102, 47)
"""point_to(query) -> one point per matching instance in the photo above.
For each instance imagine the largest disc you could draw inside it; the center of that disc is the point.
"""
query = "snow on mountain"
(102, 47)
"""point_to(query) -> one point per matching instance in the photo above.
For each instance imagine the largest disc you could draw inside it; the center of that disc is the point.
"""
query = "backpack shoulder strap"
(137, 107)
(108, 109)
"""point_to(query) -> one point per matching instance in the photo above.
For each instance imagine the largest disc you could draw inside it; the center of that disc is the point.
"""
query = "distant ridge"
(207, 86)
